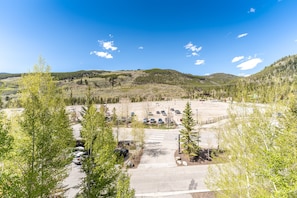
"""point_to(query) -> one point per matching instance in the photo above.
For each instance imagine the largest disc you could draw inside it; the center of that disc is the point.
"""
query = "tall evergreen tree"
(189, 138)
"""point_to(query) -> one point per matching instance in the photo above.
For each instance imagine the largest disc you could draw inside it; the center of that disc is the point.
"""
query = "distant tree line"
(88, 74)
(6, 75)
(96, 100)
(111, 100)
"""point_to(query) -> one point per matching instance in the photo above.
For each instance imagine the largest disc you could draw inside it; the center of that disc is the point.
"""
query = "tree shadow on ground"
(155, 152)
(193, 185)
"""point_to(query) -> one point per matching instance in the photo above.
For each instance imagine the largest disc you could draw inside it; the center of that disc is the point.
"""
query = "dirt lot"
(202, 110)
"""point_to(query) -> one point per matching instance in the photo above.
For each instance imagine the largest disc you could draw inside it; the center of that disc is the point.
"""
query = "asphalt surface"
(73, 181)
(158, 174)
(167, 181)
(75, 172)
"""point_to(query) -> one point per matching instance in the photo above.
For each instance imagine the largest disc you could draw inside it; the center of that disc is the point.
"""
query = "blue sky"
(199, 37)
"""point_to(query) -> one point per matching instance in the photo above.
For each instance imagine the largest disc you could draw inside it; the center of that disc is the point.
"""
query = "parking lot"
(157, 174)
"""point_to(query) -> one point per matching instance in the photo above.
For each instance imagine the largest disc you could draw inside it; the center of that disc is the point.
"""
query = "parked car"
(153, 121)
(129, 120)
(163, 113)
(157, 112)
(150, 114)
(160, 121)
(177, 111)
(79, 157)
(77, 160)
(146, 120)
(79, 148)
(122, 152)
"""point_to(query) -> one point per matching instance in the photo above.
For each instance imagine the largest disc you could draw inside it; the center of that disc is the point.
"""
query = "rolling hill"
(164, 84)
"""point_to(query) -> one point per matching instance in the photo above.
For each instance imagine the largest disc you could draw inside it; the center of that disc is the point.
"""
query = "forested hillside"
(172, 77)
(275, 82)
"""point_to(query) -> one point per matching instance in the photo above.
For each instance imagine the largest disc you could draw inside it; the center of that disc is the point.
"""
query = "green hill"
(275, 82)
(166, 84)
(172, 77)
(283, 68)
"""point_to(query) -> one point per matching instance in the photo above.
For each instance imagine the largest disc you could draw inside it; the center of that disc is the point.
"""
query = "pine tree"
(189, 138)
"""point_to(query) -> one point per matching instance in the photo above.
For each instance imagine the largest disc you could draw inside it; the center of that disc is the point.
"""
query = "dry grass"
(203, 195)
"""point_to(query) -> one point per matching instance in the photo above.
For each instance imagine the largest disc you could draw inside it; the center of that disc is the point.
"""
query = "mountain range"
(166, 84)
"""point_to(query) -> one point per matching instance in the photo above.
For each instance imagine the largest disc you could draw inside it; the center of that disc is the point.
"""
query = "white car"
(77, 160)
(78, 157)
(79, 148)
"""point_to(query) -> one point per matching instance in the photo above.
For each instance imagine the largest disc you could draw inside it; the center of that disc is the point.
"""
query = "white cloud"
(237, 58)
(199, 62)
(193, 48)
(249, 64)
(140, 47)
(207, 74)
(108, 45)
(252, 10)
(102, 54)
(242, 35)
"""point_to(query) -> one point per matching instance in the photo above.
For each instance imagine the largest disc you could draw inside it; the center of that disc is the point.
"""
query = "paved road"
(76, 175)
(168, 181)
(158, 175)
(73, 181)
(159, 149)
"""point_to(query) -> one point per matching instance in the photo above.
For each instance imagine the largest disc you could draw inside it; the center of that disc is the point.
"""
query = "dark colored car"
(153, 121)
(160, 121)
(177, 112)
(122, 152)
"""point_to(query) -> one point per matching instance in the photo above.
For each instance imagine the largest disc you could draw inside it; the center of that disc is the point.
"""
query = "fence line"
(213, 120)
